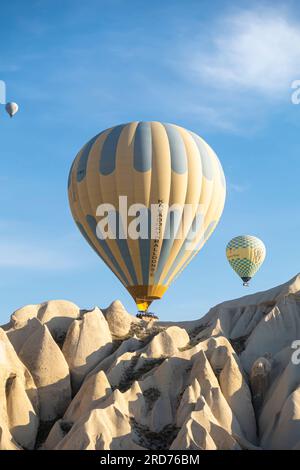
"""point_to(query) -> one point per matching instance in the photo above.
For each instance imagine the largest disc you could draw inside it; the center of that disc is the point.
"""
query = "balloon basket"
(246, 284)
(146, 316)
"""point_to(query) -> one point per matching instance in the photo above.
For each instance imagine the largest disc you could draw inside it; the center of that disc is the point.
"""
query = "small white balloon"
(11, 108)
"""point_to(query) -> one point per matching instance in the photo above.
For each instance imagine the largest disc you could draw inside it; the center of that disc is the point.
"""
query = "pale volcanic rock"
(118, 319)
(226, 381)
(11, 367)
(57, 433)
(88, 341)
(274, 332)
(23, 314)
(285, 434)
(131, 403)
(203, 372)
(134, 402)
(50, 371)
(23, 421)
(211, 392)
(226, 316)
(129, 345)
(259, 381)
(222, 412)
(21, 332)
(120, 366)
(167, 342)
(162, 414)
(287, 382)
(18, 399)
(204, 416)
(247, 318)
(238, 396)
(193, 436)
(218, 351)
(170, 380)
(56, 314)
(101, 429)
(6, 440)
(188, 402)
(202, 431)
(94, 389)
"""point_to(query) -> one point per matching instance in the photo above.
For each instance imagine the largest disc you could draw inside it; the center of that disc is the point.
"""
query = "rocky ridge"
(103, 379)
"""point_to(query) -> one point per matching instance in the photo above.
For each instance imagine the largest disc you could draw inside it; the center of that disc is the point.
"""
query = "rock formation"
(103, 379)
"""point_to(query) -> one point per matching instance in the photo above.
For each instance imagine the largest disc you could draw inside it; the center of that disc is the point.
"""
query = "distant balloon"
(245, 254)
(11, 108)
(148, 163)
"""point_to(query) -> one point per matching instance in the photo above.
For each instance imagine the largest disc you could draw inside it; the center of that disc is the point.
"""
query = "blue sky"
(220, 68)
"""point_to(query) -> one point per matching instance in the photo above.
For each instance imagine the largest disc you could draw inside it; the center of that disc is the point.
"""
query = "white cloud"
(256, 50)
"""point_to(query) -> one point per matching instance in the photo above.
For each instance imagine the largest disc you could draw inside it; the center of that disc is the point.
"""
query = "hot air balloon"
(245, 254)
(11, 108)
(150, 164)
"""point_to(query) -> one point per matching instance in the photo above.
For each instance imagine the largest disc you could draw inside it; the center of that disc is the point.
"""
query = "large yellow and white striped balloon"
(150, 163)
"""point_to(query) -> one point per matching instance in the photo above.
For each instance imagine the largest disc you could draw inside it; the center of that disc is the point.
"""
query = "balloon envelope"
(151, 164)
(11, 108)
(246, 254)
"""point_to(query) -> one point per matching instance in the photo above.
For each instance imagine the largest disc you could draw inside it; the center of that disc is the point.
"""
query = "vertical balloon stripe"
(82, 164)
(177, 149)
(82, 206)
(141, 193)
(108, 155)
(160, 192)
(178, 193)
(85, 162)
(204, 152)
(72, 180)
(144, 246)
(92, 170)
(168, 243)
(103, 189)
(124, 178)
(70, 174)
(142, 160)
(214, 207)
(123, 247)
(92, 186)
(191, 190)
